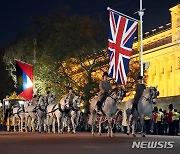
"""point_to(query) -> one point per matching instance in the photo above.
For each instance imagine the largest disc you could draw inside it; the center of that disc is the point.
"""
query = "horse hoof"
(99, 134)
(112, 135)
(143, 135)
(62, 132)
(134, 135)
(127, 133)
(93, 135)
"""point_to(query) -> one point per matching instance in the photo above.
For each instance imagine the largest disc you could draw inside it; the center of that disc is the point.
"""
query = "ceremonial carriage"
(7, 106)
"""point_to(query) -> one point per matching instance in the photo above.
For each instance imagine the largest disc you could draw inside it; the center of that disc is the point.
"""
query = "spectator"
(175, 119)
(160, 122)
(169, 120)
(155, 115)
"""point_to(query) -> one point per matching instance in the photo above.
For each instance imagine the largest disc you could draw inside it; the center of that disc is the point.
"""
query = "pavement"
(81, 143)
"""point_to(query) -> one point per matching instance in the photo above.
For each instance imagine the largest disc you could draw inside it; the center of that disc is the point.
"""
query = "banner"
(24, 74)
(120, 40)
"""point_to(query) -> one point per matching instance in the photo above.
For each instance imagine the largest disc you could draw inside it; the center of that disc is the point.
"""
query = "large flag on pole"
(24, 73)
(120, 40)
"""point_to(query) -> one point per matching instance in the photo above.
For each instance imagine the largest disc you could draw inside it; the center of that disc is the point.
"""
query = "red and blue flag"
(120, 40)
(24, 74)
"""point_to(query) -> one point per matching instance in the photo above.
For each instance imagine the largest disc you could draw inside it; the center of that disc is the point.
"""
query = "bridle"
(153, 95)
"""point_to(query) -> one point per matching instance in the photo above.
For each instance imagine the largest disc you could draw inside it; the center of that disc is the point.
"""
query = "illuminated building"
(161, 49)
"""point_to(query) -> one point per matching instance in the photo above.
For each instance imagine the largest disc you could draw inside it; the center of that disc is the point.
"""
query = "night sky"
(16, 15)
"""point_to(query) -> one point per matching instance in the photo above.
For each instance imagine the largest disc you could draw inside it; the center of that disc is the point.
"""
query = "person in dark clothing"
(104, 87)
(169, 120)
(139, 90)
(155, 115)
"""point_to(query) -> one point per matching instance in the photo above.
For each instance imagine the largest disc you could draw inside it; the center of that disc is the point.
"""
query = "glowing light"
(6, 102)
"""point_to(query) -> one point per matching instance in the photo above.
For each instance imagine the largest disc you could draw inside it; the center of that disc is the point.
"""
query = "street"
(80, 143)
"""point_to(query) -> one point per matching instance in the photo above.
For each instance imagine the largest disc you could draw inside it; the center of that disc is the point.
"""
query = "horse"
(73, 114)
(55, 112)
(18, 113)
(35, 112)
(109, 109)
(145, 108)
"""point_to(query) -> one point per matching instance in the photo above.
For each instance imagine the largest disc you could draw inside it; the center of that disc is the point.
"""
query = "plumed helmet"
(105, 74)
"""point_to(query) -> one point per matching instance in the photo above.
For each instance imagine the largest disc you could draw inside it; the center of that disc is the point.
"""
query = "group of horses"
(47, 113)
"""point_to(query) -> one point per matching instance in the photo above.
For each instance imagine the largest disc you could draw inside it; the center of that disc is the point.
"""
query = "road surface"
(80, 143)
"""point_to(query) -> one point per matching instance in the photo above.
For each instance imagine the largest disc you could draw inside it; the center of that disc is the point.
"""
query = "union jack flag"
(120, 40)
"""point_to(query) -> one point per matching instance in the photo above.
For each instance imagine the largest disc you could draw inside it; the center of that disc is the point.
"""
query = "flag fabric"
(120, 40)
(24, 74)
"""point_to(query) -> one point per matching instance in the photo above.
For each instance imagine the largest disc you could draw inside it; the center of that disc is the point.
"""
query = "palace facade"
(161, 49)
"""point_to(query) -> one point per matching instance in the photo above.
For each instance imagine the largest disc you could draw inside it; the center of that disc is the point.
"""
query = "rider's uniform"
(104, 87)
(139, 90)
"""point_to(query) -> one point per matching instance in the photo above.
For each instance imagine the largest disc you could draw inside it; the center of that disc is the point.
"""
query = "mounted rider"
(139, 89)
(70, 95)
(105, 88)
(48, 94)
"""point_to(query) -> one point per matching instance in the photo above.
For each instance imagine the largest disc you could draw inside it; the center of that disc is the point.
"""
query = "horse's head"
(120, 93)
(153, 94)
(42, 100)
(77, 101)
(51, 98)
(64, 102)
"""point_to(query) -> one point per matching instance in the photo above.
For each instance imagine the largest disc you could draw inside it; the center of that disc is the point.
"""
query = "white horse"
(109, 108)
(73, 114)
(35, 112)
(55, 112)
(18, 114)
(145, 108)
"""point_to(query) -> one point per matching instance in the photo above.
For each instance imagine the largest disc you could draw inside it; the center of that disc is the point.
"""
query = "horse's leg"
(73, 116)
(54, 124)
(32, 124)
(40, 122)
(142, 125)
(48, 123)
(99, 133)
(68, 124)
(77, 118)
(13, 123)
(61, 123)
(21, 124)
(26, 123)
(128, 120)
(133, 126)
(110, 131)
(93, 120)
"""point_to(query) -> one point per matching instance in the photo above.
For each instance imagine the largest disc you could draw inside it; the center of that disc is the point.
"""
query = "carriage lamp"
(6, 103)
(21, 102)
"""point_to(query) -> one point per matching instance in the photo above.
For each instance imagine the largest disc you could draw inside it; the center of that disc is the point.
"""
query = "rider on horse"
(139, 91)
(104, 87)
(70, 95)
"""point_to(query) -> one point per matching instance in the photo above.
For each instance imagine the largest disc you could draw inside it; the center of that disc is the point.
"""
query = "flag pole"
(141, 13)
(34, 61)
(109, 9)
